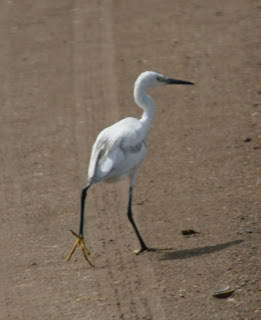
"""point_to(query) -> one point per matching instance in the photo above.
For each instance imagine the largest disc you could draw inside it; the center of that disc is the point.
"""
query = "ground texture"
(67, 70)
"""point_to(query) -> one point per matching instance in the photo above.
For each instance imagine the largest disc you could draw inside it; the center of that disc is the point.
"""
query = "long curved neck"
(146, 103)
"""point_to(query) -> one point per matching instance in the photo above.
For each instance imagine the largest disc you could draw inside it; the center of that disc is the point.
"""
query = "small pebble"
(246, 139)
(223, 292)
(248, 231)
(188, 232)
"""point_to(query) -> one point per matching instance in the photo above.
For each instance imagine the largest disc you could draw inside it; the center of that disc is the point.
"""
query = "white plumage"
(117, 151)
(121, 148)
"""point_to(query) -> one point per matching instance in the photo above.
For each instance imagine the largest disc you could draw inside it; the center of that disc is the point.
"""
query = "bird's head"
(149, 79)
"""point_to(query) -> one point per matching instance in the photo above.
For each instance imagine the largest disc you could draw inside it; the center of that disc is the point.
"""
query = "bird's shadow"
(189, 253)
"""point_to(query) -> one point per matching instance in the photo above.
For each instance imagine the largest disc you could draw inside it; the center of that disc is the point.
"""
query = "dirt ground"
(67, 70)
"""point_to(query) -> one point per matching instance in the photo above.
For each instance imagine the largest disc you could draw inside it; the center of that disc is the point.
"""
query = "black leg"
(79, 236)
(142, 243)
(83, 196)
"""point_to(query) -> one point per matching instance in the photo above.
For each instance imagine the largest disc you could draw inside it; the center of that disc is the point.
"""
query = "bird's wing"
(117, 150)
(104, 153)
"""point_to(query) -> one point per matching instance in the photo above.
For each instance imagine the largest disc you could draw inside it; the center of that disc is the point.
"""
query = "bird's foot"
(146, 249)
(84, 249)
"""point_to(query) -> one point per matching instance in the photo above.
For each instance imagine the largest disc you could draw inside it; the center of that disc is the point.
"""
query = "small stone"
(246, 139)
(188, 232)
(223, 292)
(245, 231)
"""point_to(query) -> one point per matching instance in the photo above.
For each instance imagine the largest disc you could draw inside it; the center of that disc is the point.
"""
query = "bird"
(120, 149)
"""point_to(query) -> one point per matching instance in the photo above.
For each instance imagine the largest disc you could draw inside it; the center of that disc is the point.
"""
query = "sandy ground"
(67, 70)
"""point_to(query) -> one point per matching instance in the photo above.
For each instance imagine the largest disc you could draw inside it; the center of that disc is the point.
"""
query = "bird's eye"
(160, 79)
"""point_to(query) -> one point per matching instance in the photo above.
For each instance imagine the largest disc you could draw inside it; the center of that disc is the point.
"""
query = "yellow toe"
(84, 249)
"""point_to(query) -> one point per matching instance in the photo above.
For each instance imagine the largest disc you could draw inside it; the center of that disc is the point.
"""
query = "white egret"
(120, 149)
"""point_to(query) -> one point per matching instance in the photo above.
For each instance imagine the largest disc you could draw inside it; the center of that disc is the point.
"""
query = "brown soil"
(67, 71)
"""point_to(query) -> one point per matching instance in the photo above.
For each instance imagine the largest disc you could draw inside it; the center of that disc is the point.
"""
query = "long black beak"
(175, 81)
